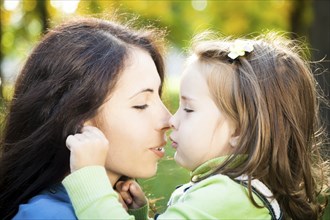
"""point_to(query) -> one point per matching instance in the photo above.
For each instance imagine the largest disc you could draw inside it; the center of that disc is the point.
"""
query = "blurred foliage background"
(24, 21)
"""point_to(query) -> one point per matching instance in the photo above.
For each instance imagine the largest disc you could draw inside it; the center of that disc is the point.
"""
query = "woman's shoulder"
(52, 203)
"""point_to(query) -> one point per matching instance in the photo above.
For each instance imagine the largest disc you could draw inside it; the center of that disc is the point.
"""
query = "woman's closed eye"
(188, 110)
(140, 107)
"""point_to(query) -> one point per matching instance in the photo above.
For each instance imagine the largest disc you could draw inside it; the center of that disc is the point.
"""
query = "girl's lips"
(159, 151)
(174, 144)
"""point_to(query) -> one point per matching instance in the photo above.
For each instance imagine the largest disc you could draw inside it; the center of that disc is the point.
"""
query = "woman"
(86, 71)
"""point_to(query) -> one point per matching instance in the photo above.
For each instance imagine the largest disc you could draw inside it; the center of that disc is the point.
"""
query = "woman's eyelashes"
(140, 107)
(188, 110)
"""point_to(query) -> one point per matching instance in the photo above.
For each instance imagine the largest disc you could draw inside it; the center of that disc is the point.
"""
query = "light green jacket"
(217, 197)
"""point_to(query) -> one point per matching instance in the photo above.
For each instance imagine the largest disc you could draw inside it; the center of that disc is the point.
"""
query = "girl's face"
(135, 120)
(200, 131)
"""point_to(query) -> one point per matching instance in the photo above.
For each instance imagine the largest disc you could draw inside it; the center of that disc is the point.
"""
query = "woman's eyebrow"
(142, 91)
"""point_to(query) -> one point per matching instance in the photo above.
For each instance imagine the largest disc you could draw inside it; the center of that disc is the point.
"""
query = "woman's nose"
(173, 121)
(166, 115)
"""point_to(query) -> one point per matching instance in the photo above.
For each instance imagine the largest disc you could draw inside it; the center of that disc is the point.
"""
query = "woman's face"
(134, 119)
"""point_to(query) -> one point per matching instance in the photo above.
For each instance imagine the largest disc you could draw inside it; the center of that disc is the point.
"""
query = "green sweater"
(217, 197)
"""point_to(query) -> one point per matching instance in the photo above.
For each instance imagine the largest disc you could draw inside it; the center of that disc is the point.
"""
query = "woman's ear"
(90, 122)
(233, 141)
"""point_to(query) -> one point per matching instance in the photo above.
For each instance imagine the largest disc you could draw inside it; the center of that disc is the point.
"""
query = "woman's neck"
(113, 177)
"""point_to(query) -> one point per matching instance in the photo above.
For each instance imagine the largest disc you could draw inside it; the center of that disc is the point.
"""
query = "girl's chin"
(181, 163)
(178, 160)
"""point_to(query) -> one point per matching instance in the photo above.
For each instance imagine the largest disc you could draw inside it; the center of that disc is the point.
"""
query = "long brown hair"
(271, 96)
(63, 83)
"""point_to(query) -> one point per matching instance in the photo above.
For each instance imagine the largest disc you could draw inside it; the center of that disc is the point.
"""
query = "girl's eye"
(188, 110)
(140, 107)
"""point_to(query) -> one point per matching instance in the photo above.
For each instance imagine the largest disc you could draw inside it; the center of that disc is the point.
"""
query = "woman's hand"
(88, 148)
(131, 193)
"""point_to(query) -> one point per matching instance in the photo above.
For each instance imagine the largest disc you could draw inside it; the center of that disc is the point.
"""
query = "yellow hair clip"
(239, 48)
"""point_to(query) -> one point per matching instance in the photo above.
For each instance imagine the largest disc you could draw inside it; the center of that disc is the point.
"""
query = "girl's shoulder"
(218, 184)
(221, 196)
(52, 203)
(225, 186)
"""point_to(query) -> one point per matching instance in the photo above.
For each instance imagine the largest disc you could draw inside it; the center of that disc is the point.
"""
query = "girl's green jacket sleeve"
(92, 196)
(217, 197)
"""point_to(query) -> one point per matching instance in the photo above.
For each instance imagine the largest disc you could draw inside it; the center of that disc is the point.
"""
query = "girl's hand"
(131, 193)
(88, 148)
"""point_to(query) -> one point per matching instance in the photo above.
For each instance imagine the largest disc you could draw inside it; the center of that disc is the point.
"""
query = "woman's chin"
(145, 174)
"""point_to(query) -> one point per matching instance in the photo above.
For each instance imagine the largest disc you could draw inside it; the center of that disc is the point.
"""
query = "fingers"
(132, 186)
(91, 130)
(131, 193)
(70, 141)
(89, 148)
(136, 191)
(89, 133)
(126, 196)
(137, 194)
(119, 186)
(126, 185)
(122, 202)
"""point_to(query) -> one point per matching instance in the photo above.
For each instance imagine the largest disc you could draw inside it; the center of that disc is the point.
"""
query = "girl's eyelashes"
(140, 107)
(188, 110)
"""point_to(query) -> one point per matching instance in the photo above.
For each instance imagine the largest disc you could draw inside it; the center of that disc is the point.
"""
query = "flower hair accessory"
(239, 48)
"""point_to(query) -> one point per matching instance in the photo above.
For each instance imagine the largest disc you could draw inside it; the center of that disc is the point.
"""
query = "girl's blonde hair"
(271, 96)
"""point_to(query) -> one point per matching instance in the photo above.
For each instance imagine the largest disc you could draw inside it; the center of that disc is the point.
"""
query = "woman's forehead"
(140, 73)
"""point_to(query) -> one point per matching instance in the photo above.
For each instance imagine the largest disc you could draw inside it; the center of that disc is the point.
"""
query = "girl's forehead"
(191, 59)
(193, 82)
(193, 68)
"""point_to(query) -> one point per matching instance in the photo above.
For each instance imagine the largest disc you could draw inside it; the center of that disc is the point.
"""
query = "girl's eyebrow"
(187, 98)
(142, 91)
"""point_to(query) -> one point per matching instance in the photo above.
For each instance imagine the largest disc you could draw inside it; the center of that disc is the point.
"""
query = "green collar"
(211, 165)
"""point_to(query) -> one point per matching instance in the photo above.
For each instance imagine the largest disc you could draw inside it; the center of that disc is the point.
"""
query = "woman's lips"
(159, 151)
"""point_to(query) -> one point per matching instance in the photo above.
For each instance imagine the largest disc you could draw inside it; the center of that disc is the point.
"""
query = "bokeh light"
(199, 5)
(11, 5)
(67, 7)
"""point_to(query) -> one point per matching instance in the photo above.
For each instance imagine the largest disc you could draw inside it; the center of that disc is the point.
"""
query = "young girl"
(248, 129)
